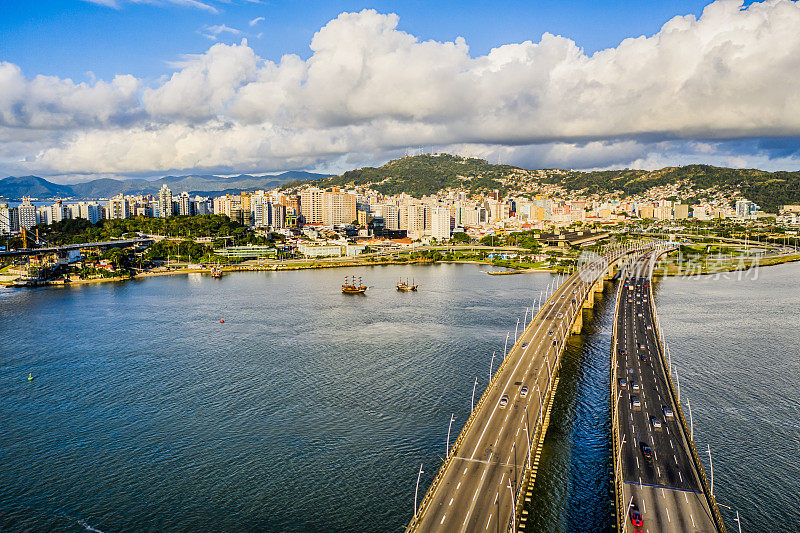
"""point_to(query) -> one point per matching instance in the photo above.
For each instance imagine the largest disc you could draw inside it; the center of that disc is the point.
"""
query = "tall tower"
(165, 202)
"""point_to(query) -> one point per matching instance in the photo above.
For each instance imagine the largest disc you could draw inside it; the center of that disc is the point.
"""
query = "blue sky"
(70, 38)
(121, 88)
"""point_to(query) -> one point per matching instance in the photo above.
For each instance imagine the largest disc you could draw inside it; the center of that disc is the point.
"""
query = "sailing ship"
(405, 286)
(350, 286)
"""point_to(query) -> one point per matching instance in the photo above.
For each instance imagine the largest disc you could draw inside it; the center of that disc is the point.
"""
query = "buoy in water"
(30, 376)
(221, 320)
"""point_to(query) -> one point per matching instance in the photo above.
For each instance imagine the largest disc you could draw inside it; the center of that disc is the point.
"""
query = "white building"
(27, 214)
(165, 202)
(118, 207)
(440, 223)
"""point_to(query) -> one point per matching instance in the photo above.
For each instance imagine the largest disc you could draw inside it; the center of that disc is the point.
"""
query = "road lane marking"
(667, 510)
(458, 486)
(451, 501)
(442, 522)
(488, 522)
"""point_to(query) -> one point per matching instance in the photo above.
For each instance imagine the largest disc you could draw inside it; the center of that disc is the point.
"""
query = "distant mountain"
(14, 188)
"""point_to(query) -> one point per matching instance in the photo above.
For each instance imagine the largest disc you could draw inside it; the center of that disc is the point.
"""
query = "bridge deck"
(666, 489)
(473, 491)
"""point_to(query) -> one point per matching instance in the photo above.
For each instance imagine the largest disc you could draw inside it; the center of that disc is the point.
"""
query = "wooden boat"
(350, 286)
(405, 286)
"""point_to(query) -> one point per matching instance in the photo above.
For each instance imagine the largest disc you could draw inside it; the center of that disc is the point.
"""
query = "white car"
(561, 315)
(523, 392)
(504, 401)
(656, 422)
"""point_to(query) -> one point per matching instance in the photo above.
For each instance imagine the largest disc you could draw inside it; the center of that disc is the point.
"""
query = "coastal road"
(665, 487)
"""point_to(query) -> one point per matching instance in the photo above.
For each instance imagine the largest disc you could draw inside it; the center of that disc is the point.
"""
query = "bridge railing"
(712, 502)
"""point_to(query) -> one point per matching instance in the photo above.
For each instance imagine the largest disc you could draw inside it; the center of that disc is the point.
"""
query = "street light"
(472, 404)
(513, 509)
(447, 451)
(416, 490)
(516, 328)
(711, 466)
(490, 368)
(505, 350)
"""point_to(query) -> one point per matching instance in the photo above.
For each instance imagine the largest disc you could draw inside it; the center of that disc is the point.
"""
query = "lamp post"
(472, 404)
(505, 349)
(416, 490)
(513, 509)
(516, 329)
(490, 368)
(711, 466)
(447, 451)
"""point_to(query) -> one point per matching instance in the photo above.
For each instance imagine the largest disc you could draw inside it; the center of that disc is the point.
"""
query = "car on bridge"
(668, 413)
(636, 403)
(647, 452)
(636, 516)
(655, 422)
(523, 392)
(634, 385)
(623, 383)
(504, 401)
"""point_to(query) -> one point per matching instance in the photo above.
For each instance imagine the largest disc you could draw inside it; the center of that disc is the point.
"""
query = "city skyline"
(707, 84)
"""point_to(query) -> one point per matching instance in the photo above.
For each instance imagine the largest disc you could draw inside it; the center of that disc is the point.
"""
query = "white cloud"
(692, 90)
(257, 20)
(213, 32)
(117, 4)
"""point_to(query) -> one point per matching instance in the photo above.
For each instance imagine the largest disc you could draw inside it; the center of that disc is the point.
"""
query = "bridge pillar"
(588, 302)
(577, 325)
(599, 286)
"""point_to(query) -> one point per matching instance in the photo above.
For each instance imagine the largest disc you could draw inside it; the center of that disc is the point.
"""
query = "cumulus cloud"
(699, 89)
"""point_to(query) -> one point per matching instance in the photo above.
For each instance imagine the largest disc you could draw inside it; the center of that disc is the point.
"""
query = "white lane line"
(692, 517)
(465, 471)
(464, 523)
(685, 497)
(667, 510)
(442, 522)
(488, 522)
(458, 486)
(476, 493)
(451, 501)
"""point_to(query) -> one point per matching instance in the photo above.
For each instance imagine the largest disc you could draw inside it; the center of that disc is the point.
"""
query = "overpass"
(490, 469)
(657, 471)
(63, 250)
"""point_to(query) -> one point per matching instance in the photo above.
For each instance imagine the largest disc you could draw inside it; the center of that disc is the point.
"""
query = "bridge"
(659, 480)
(64, 250)
(490, 469)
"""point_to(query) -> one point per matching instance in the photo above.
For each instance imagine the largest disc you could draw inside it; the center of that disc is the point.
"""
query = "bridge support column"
(588, 303)
(599, 286)
(577, 326)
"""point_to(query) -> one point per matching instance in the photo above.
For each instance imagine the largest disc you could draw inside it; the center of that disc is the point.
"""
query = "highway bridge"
(659, 480)
(64, 250)
(490, 468)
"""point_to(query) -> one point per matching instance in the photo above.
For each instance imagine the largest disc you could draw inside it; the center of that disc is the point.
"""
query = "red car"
(636, 517)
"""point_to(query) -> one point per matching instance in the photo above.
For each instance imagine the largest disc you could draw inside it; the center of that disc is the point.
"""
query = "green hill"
(430, 174)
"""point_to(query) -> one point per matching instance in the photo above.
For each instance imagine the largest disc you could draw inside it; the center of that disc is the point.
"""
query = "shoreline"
(281, 267)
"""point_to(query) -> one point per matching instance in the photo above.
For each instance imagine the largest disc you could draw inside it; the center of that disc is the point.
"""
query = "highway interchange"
(665, 487)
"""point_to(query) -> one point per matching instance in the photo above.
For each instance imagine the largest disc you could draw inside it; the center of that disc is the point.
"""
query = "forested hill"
(424, 175)
(429, 174)
(767, 189)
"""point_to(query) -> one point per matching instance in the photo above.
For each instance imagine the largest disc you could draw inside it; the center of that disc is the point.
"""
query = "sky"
(141, 88)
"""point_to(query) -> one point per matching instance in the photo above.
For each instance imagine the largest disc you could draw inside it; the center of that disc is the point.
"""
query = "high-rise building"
(417, 220)
(311, 205)
(90, 211)
(118, 207)
(165, 202)
(681, 211)
(27, 214)
(58, 212)
(744, 208)
(440, 223)
(185, 205)
(44, 215)
(338, 207)
(9, 219)
(278, 218)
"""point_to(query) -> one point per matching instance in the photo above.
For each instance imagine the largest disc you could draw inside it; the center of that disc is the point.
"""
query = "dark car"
(636, 516)
(621, 351)
(646, 451)
(643, 357)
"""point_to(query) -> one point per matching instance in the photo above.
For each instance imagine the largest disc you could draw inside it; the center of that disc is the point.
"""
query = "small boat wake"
(87, 527)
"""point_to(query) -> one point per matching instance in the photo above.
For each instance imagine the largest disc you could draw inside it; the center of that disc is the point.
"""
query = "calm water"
(310, 410)
(306, 410)
(736, 345)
